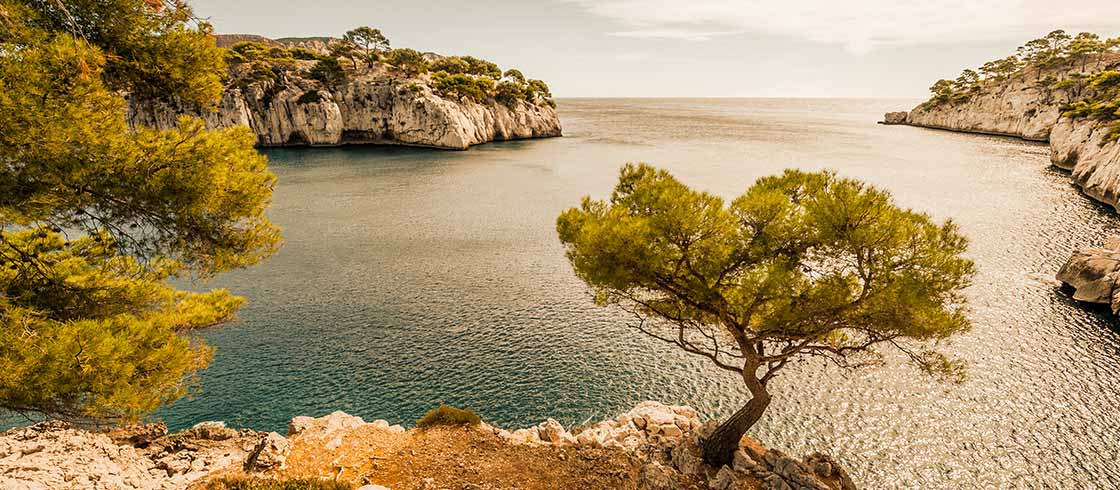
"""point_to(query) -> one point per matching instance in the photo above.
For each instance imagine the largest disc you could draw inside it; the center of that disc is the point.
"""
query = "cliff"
(651, 447)
(378, 104)
(1030, 105)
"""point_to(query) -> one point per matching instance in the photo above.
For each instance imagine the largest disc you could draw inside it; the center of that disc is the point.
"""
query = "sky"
(695, 48)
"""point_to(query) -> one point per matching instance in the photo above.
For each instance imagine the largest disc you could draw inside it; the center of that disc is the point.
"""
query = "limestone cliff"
(374, 106)
(1030, 106)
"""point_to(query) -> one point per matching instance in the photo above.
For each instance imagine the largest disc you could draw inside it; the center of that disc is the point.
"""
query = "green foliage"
(95, 219)
(462, 85)
(482, 68)
(304, 54)
(447, 415)
(258, 483)
(344, 49)
(509, 93)
(538, 89)
(310, 97)
(515, 75)
(453, 65)
(800, 265)
(407, 60)
(328, 71)
(367, 38)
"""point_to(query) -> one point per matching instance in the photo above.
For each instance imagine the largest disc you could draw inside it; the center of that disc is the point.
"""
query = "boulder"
(327, 424)
(1093, 273)
(271, 452)
(894, 118)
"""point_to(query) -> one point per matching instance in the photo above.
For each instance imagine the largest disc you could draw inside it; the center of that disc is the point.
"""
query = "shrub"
(482, 68)
(256, 483)
(448, 415)
(461, 85)
(509, 92)
(304, 54)
(328, 71)
(451, 64)
(408, 60)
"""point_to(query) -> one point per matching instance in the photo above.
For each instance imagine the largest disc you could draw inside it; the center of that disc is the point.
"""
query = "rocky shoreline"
(659, 445)
(1024, 108)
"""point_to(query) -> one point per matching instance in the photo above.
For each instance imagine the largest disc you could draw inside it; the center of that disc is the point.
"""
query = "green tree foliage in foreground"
(95, 219)
(801, 265)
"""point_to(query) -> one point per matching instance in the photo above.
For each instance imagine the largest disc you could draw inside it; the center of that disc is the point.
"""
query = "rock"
(211, 431)
(894, 118)
(378, 107)
(724, 480)
(328, 424)
(552, 431)
(139, 435)
(1093, 274)
(525, 436)
(655, 476)
(57, 455)
(300, 424)
(270, 453)
(688, 458)
(743, 462)
(753, 448)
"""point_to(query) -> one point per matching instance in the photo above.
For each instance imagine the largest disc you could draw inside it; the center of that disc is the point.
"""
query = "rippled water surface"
(412, 277)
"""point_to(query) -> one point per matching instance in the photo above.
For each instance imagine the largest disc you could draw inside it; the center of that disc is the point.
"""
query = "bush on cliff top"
(448, 415)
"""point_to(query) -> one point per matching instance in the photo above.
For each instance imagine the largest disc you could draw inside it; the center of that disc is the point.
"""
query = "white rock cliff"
(372, 108)
(1027, 107)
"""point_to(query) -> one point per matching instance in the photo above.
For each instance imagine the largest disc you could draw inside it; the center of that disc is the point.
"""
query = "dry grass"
(457, 458)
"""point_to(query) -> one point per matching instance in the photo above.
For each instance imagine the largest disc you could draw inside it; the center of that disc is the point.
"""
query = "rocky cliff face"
(1029, 107)
(372, 108)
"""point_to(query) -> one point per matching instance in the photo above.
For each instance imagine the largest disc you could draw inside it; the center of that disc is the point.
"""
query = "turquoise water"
(412, 277)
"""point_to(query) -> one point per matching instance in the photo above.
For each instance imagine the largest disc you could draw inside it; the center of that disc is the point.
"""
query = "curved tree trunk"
(720, 446)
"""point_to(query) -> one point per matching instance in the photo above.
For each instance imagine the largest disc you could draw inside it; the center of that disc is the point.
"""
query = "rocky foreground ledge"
(652, 446)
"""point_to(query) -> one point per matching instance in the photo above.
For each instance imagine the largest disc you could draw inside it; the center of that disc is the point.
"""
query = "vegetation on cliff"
(95, 219)
(802, 265)
(366, 50)
(1083, 66)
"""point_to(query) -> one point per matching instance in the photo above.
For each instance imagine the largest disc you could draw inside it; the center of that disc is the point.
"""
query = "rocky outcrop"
(1029, 106)
(668, 439)
(1094, 274)
(660, 442)
(378, 107)
(892, 118)
(56, 455)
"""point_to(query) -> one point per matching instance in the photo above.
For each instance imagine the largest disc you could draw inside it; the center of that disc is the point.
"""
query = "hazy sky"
(695, 48)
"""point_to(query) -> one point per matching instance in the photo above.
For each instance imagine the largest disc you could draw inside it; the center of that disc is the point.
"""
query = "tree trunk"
(720, 446)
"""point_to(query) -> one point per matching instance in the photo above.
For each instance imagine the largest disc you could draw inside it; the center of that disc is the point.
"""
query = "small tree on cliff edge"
(801, 265)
